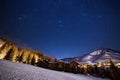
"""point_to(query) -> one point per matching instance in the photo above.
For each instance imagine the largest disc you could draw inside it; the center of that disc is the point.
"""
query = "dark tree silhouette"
(7, 57)
(33, 61)
(21, 58)
(3, 46)
(28, 59)
(115, 75)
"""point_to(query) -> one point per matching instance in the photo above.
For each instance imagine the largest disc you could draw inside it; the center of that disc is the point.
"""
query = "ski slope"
(18, 71)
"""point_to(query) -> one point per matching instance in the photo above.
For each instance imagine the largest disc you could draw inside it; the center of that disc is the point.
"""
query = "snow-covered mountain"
(101, 55)
(17, 71)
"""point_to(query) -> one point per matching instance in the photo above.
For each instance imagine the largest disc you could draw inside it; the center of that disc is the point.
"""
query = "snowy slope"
(17, 71)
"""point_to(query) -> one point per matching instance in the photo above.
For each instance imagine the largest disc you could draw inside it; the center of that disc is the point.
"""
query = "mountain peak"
(100, 55)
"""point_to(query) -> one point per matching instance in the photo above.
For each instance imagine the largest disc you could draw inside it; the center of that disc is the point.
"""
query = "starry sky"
(62, 28)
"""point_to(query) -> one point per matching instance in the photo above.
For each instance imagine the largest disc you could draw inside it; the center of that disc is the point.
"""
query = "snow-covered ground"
(17, 71)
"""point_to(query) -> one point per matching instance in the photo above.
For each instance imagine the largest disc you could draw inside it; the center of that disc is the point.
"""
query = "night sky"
(62, 28)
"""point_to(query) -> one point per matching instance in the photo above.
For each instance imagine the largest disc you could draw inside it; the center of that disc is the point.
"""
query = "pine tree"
(4, 45)
(7, 57)
(21, 58)
(114, 72)
(33, 61)
(12, 54)
(28, 59)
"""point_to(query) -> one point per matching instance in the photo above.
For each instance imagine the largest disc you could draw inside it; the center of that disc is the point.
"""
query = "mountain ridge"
(12, 52)
(96, 56)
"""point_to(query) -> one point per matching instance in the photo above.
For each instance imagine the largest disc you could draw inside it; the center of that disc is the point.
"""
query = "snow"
(88, 57)
(19, 71)
(91, 55)
(96, 52)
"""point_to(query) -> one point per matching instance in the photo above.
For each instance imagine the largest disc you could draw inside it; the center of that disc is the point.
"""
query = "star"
(84, 14)
(35, 10)
(20, 18)
(60, 23)
(99, 17)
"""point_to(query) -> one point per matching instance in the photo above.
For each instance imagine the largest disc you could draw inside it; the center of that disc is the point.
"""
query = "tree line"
(112, 72)
(11, 52)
